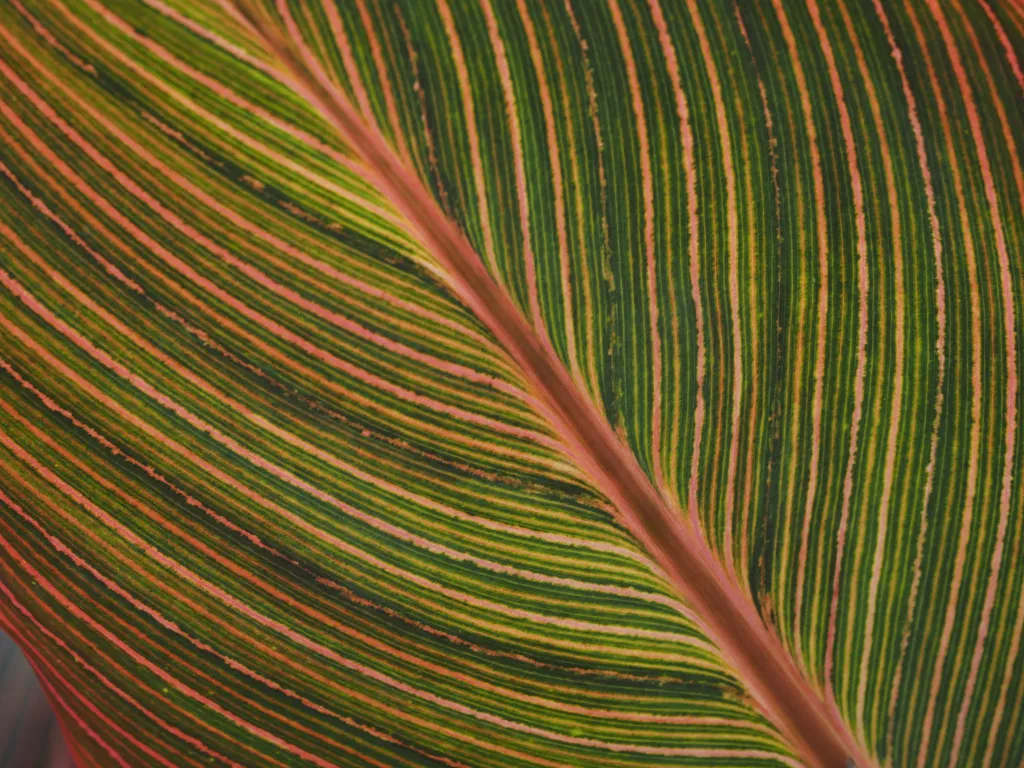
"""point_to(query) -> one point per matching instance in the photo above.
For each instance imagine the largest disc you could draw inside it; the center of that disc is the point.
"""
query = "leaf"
(521, 383)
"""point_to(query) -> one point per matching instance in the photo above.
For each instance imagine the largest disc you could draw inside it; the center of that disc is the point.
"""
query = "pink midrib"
(812, 725)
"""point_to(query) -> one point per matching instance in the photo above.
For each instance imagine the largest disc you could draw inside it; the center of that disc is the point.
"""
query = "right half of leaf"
(780, 243)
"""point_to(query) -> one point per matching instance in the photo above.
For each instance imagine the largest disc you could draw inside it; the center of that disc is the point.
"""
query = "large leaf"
(583, 382)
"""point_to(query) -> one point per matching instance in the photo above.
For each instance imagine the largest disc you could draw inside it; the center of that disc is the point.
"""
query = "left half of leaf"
(268, 494)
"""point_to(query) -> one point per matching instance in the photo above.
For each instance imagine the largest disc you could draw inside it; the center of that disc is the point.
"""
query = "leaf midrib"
(812, 724)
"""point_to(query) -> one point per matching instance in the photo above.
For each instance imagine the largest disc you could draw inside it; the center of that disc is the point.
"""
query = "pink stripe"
(472, 134)
(940, 350)
(977, 390)
(1010, 414)
(44, 33)
(823, 279)
(732, 215)
(755, 258)
(148, 469)
(647, 182)
(1004, 41)
(377, 52)
(515, 131)
(895, 413)
(349, 66)
(997, 102)
(594, 114)
(686, 137)
(551, 135)
(857, 186)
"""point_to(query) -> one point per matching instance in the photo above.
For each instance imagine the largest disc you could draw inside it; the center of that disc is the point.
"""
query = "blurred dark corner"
(30, 736)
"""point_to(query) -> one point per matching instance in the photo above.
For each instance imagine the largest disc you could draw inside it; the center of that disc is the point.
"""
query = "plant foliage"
(515, 382)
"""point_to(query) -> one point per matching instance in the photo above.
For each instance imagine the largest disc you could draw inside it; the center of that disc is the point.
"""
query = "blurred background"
(30, 736)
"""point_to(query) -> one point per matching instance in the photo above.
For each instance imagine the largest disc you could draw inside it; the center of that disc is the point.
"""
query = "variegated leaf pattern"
(276, 487)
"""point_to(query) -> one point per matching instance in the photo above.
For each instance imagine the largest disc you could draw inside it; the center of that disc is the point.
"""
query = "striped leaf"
(515, 382)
